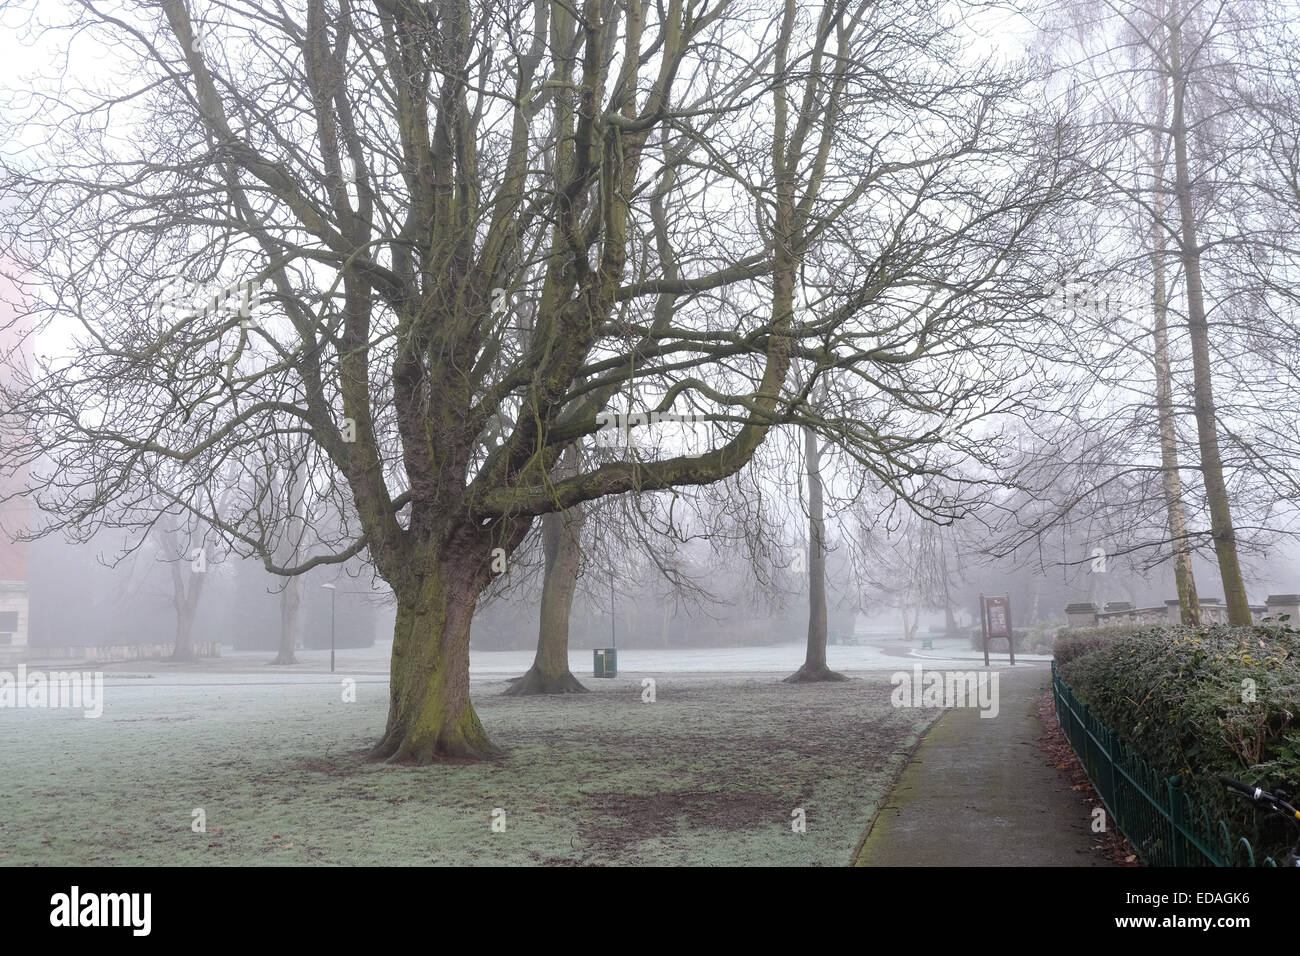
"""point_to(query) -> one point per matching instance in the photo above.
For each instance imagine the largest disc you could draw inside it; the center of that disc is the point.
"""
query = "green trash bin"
(606, 661)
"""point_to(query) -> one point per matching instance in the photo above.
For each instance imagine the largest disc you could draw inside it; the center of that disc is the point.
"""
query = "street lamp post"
(333, 590)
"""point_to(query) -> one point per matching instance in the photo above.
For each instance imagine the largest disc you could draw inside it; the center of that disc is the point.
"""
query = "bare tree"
(562, 548)
(814, 666)
(189, 573)
(1216, 490)
(1188, 603)
(387, 177)
(1160, 84)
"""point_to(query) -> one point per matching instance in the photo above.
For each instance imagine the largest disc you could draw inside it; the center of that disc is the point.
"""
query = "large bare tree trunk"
(430, 716)
(550, 674)
(814, 666)
(1216, 491)
(1189, 605)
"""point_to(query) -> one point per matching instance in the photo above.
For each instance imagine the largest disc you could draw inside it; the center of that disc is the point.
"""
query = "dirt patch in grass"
(628, 818)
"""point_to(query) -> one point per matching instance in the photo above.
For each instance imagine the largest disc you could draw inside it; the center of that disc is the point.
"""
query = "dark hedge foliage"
(1199, 702)
(1077, 641)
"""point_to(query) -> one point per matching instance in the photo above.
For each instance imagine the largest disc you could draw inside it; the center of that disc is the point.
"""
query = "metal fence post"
(1174, 787)
(1108, 797)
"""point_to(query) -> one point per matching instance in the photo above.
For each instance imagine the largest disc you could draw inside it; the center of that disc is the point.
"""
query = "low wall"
(92, 653)
(1213, 611)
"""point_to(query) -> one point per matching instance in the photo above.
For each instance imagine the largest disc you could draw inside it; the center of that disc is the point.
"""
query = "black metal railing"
(1151, 810)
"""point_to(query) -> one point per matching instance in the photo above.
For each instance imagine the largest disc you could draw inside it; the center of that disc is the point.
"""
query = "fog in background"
(78, 598)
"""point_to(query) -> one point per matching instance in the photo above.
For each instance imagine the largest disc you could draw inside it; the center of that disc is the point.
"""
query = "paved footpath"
(981, 792)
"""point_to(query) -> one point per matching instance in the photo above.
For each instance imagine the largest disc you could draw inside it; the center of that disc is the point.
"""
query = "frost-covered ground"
(711, 772)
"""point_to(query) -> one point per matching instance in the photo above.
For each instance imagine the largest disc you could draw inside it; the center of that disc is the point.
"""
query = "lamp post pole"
(333, 590)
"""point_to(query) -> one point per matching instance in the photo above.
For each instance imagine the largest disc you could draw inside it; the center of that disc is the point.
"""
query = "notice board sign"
(995, 621)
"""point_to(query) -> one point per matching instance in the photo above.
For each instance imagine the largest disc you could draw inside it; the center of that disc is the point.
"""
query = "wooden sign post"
(995, 621)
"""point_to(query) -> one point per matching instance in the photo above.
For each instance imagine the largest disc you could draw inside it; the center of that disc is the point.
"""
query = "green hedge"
(1179, 697)
(1072, 642)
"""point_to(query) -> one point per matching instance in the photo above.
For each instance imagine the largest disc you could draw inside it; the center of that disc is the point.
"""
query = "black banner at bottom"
(301, 905)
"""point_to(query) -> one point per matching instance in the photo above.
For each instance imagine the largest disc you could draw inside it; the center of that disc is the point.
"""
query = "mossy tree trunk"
(550, 674)
(430, 716)
(562, 549)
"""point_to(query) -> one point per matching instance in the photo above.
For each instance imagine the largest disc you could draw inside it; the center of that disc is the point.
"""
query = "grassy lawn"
(708, 774)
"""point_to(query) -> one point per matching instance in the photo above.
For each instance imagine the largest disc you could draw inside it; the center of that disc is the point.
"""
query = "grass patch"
(708, 774)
